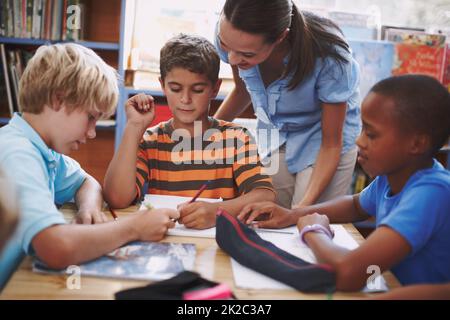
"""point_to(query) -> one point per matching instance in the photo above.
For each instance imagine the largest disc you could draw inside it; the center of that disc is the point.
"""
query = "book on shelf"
(418, 52)
(13, 66)
(6, 84)
(385, 29)
(446, 76)
(43, 19)
(419, 59)
(416, 38)
(141, 79)
(136, 261)
(375, 59)
(355, 25)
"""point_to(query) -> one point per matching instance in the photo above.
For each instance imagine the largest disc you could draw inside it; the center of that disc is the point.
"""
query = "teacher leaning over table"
(297, 71)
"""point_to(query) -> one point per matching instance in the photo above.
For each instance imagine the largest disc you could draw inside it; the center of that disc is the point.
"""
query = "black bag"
(246, 247)
(171, 289)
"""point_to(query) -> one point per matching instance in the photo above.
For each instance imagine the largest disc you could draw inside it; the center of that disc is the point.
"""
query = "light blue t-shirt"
(421, 214)
(296, 114)
(43, 177)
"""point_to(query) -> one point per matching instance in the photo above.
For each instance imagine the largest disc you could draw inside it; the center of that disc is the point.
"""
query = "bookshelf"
(103, 24)
(103, 32)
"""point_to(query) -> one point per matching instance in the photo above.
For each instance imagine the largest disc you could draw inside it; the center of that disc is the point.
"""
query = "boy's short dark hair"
(190, 52)
(422, 105)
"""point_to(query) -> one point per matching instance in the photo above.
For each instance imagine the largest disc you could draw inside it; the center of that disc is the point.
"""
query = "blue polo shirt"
(420, 213)
(43, 177)
(296, 114)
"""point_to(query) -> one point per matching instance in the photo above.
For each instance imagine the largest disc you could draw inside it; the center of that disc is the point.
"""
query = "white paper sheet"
(250, 279)
(162, 201)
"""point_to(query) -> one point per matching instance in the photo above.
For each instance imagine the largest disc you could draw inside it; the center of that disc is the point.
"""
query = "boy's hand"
(198, 215)
(152, 225)
(314, 218)
(140, 110)
(278, 217)
(90, 217)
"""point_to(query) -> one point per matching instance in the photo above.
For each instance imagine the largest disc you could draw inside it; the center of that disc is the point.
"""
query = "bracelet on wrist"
(315, 228)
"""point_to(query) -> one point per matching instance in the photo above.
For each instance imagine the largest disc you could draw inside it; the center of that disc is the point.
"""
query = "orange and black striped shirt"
(226, 155)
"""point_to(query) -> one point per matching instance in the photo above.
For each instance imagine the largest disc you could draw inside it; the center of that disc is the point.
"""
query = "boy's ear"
(420, 144)
(216, 88)
(57, 101)
(161, 82)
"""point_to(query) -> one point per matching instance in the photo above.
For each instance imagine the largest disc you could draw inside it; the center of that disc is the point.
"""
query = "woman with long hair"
(297, 71)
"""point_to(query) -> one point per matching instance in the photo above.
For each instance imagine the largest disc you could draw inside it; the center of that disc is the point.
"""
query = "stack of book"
(42, 19)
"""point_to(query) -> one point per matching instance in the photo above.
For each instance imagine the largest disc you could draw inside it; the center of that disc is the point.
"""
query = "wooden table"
(211, 262)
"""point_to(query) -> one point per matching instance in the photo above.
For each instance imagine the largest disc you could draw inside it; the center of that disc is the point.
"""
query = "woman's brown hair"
(310, 36)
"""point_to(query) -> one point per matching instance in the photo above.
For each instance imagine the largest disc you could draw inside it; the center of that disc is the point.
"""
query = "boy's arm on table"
(384, 248)
(340, 210)
(62, 245)
(89, 201)
(120, 179)
(234, 206)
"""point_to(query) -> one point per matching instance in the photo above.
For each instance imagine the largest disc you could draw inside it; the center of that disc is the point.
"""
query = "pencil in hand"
(199, 192)
(202, 188)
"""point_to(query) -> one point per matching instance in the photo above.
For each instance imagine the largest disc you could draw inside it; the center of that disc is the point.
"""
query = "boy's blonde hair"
(70, 74)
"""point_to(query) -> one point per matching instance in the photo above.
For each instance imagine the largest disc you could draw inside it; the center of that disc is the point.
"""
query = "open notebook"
(162, 201)
(250, 279)
(138, 261)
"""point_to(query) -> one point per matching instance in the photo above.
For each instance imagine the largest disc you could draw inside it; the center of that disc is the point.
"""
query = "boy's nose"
(185, 98)
(91, 134)
(359, 141)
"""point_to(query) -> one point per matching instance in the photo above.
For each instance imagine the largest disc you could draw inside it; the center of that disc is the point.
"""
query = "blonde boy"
(216, 151)
(64, 90)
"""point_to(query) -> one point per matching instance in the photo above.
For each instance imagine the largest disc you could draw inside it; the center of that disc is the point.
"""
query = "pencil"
(199, 192)
(202, 188)
(113, 213)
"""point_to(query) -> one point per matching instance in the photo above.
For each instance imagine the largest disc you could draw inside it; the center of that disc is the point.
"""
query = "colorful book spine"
(419, 59)
(446, 77)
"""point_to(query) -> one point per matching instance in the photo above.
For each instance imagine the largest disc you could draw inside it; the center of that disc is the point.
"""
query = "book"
(446, 77)
(162, 201)
(141, 79)
(419, 59)
(247, 278)
(355, 25)
(417, 52)
(5, 72)
(385, 29)
(416, 38)
(375, 60)
(136, 261)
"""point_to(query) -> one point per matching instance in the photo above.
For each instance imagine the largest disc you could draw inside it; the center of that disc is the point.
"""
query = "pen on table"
(199, 192)
(254, 226)
(113, 213)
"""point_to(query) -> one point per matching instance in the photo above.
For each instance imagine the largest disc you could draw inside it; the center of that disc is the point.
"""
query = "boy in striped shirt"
(178, 156)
